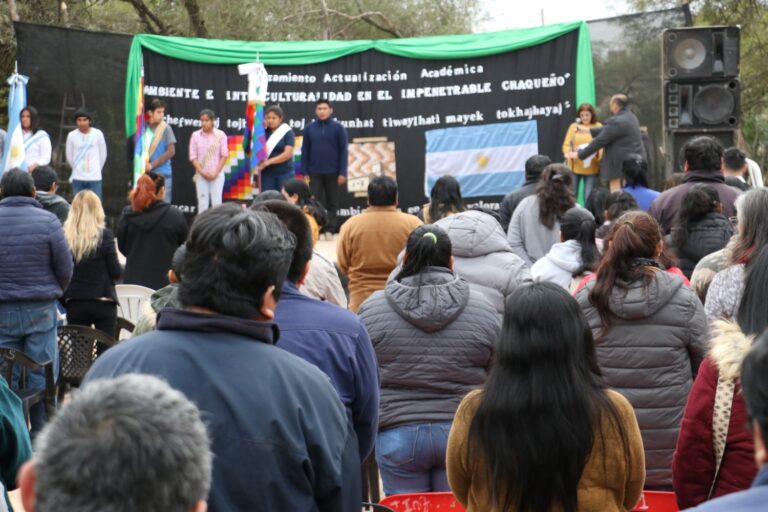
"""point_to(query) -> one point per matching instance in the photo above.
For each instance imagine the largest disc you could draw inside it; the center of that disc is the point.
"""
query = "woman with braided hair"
(650, 334)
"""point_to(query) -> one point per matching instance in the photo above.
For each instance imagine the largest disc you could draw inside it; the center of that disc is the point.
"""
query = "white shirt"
(39, 152)
(89, 166)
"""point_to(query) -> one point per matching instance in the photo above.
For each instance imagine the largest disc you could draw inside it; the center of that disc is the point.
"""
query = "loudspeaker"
(710, 104)
(700, 53)
(678, 138)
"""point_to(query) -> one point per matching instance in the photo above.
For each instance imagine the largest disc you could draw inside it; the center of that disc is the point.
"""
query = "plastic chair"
(130, 298)
(77, 352)
(124, 328)
(30, 397)
(423, 502)
(376, 507)
(656, 501)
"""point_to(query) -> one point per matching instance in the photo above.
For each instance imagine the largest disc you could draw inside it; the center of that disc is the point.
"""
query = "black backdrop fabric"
(91, 66)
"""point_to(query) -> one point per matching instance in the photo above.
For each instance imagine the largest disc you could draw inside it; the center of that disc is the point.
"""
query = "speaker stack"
(701, 88)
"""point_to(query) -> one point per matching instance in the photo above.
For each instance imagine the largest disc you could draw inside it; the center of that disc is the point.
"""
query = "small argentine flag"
(14, 143)
(487, 160)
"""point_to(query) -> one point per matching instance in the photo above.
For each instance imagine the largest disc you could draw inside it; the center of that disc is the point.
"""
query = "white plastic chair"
(131, 297)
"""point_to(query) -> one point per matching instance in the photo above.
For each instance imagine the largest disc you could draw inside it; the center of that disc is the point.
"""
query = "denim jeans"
(168, 189)
(95, 186)
(411, 458)
(31, 328)
(270, 181)
(589, 184)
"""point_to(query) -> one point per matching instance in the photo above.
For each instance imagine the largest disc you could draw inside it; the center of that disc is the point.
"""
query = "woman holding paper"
(278, 167)
(586, 171)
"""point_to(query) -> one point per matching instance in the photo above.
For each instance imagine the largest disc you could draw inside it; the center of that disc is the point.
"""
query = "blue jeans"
(31, 328)
(589, 184)
(411, 458)
(270, 181)
(168, 189)
(79, 185)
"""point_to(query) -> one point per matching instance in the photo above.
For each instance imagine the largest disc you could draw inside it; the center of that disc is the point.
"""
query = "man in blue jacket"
(332, 338)
(35, 268)
(754, 386)
(324, 159)
(281, 438)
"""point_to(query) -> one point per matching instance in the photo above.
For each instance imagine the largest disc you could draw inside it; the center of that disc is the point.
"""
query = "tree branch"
(196, 21)
(148, 17)
(367, 17)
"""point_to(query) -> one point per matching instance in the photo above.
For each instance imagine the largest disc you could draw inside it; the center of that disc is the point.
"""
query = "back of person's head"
(535, 165)
(596, 203)
(700, 200)
(752, 229)
(620, 100)
(618, 203)
(477, 207)
(296, 222)
(555, 193)
(754, 387)
(305, 200)
(734, 159)
(34, 117)
(16, 182)
(382, 191)
(445, 198)
(147, 191)
(703, 154)
(177, 263)
(631, 247)
(579, 225)
(634, 169)
(427, 246)
(267, 195)
(84, 225)
(45, 178)
(752, 315)
(124, 444)
(674, 179)
(235, 258)
(534, 426)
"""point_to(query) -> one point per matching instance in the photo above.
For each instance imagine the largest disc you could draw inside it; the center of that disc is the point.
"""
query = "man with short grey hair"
(121, 445)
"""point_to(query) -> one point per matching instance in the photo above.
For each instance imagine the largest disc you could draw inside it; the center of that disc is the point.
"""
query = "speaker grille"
(714, 105)
(689, 54)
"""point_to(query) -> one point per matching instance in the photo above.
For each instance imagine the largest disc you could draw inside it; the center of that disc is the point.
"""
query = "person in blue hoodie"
(331, 337)
(324, 159)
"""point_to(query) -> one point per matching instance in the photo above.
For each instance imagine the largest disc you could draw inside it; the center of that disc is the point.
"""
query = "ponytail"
(147, 191)
(428, 246)
(555, 194)
(700, 200)
(307, 201)
(630, 255)
(579, 224)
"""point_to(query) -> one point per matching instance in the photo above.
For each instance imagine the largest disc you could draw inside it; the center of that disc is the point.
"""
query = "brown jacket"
(609, 482)
(368, 247)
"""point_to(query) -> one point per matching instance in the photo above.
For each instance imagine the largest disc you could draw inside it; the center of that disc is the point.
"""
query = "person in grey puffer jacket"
(434, 339)
(482, 256)
(650, 334)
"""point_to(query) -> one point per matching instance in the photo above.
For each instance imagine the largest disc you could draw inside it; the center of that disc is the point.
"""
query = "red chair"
(656, 501)
(423, 502)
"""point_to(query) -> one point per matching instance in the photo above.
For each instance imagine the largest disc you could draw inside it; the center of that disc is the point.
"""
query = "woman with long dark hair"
(37, 142)
(444, 200)
(278, 167)
(434, 340)
(297, 192)
(545, 433)
(149, 232)
(535, 224)
(635, 173)
(700, 227)
(575, 255)
(650, 331)
(696, 475)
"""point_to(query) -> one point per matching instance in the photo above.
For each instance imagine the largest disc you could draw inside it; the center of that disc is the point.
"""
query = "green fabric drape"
(291, 53)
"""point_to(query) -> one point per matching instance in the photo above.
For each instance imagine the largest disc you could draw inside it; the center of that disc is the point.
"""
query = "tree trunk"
(196, 21)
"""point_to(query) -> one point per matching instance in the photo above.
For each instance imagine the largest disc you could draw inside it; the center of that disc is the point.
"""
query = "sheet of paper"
(587, 161)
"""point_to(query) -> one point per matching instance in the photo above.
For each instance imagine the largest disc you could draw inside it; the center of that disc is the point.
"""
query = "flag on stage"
(254, 137)
(14, 153)
(486, 160)
(141, 147)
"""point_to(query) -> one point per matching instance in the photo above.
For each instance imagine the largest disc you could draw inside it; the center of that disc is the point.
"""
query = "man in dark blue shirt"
(324, 159)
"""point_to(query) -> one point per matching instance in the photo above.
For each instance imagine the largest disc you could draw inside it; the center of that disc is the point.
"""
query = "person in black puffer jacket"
(700, 228)
(434, 339)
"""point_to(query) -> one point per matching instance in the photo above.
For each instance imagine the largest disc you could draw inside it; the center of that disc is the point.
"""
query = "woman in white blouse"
(37, 142)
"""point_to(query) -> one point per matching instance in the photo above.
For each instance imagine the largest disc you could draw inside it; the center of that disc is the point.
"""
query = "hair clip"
(431, 235)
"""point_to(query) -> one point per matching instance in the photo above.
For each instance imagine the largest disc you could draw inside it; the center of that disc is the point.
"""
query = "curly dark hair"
(555, 194)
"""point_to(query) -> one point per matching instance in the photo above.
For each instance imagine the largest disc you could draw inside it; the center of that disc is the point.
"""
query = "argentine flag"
(486, 160)
(13, 156)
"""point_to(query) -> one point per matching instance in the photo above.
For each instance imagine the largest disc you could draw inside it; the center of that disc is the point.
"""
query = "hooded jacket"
(434, 340)
(148, 240)
(528, 237)
(483, 257)
(693, 467)
(705, 236)
(559, 265)
(650, 354)
(55, 204)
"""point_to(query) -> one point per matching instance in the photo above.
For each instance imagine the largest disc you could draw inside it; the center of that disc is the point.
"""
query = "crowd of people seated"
(566, 353)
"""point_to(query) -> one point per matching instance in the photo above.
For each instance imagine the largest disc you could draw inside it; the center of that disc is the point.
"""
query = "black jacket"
(279, 434)
(94, 276)
(620, 136)
(148, 240)
(705, 236)
(511, 200)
